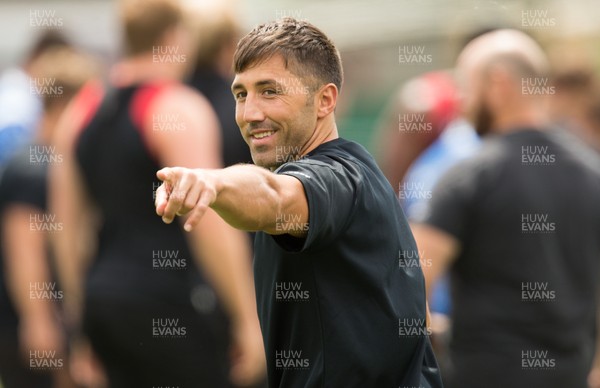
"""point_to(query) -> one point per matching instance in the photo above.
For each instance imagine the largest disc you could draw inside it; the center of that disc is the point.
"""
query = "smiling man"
(340, 300)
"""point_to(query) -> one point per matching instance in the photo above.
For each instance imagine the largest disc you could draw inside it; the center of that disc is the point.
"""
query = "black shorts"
(148, 345)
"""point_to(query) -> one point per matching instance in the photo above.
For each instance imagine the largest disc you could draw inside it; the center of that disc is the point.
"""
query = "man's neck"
(519, 119)
(143, 68)
(325, 131)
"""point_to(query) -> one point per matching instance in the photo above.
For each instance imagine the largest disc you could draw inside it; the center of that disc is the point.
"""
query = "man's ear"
(326, 100)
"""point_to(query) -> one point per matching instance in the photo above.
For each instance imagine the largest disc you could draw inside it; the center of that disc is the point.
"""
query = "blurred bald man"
(518, 227)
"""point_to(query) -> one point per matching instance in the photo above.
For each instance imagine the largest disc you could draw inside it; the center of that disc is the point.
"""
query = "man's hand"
(84, 366)
(184, 191)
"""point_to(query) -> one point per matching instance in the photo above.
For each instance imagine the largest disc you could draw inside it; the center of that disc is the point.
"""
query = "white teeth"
(262, 134)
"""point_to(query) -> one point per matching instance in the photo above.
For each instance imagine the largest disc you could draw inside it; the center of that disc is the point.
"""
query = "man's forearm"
(26, 264)
(245, 196)
(248, 197)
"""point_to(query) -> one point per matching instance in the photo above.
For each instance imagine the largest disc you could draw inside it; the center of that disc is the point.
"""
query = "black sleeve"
(331, 192)
(23, 183)
(452, 200)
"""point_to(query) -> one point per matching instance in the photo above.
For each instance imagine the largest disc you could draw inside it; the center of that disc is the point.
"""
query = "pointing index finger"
(164, 174)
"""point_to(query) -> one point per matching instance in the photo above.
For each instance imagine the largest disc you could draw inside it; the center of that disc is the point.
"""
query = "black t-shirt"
(23, 182)
(340, 308)
(526, 211)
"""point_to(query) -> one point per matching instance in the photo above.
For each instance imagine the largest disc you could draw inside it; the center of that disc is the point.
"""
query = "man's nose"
(252, 110)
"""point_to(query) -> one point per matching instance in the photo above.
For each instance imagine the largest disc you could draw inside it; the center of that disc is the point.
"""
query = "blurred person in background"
(159, 307)
(33, 346)
(20, 107)
(216, 33)
(517, 226)
(418, 112)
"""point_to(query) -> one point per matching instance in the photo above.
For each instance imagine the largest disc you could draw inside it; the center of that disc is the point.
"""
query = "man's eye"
(240, 95)
(270, 92)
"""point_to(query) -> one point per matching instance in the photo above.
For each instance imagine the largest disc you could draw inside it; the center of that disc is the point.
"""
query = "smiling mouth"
(262, 134)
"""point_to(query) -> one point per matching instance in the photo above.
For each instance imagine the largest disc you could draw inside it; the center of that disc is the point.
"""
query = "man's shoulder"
(25, 175)
(336, 155)
(576, 149)
(29, 161)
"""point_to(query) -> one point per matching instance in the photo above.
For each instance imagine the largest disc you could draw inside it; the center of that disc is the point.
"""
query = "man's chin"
(265, 161)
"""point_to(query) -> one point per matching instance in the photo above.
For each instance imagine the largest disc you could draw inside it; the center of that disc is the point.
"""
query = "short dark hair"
(306, 50)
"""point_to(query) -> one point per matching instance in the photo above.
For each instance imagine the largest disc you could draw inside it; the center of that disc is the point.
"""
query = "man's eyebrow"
(269, 81)
(266, 82)
(236, 86)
